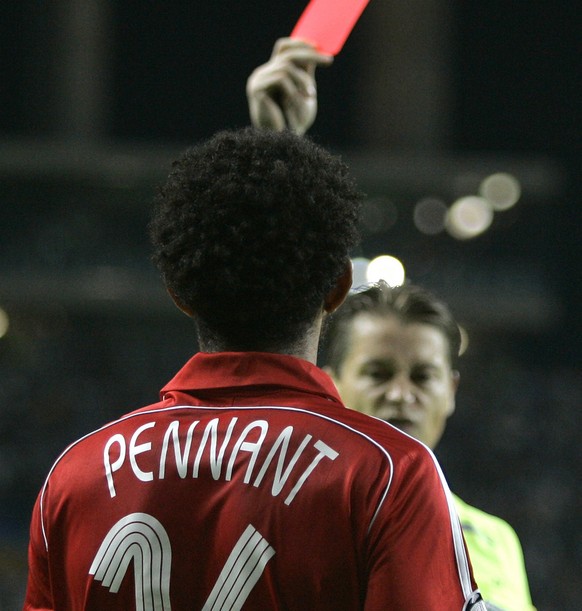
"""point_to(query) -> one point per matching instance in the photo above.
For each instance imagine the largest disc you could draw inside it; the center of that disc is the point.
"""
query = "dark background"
(97, 97)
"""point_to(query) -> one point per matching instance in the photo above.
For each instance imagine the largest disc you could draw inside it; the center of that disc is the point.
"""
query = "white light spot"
(501, 190)
(468, 217)
(359, 269)
(386, 268)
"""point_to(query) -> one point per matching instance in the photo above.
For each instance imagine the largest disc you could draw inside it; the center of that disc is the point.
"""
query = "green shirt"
(496, 557)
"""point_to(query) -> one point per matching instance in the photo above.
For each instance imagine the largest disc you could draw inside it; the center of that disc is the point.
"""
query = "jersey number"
(141, 539)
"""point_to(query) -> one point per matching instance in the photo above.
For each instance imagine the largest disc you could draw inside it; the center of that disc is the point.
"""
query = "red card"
(326, 24)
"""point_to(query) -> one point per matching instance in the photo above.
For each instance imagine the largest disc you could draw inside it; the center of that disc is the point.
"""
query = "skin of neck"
(305, 348)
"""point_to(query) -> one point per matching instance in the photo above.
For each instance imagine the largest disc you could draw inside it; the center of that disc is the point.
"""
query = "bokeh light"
(378, 214)
(469, 217)
(429, 215)
(359, 271)
(501, 190)
(387, 268)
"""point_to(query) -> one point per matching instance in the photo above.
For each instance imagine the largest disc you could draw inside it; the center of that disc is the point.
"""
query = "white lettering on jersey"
(141, 539)
(280, 478)
(181, 457)
(248, 446)
(109, 467)
(215, 461)
(134, 450)
(324, 450)
(198, 448)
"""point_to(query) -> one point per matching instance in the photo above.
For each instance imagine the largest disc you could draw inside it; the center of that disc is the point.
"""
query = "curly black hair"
(251, 231)
(409, 302)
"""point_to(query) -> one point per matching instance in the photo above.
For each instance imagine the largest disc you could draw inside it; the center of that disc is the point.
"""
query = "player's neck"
(305, 348)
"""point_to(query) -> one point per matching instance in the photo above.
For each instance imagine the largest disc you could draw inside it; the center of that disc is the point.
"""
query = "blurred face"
(400, 373)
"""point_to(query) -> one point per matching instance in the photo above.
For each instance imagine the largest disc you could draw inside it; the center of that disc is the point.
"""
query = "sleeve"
(518, 597)
(416, 552)
(38, 591)
(497, 558)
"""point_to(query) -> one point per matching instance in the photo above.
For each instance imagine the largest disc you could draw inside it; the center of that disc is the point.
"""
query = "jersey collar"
(240, 370)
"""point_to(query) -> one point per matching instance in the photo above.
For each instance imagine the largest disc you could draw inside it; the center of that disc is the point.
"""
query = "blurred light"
(429, 215)
(468, 217)
(359, 270)
(501, 190)
(464, 340)
(4, 322)
(378, 214)
(386, 268)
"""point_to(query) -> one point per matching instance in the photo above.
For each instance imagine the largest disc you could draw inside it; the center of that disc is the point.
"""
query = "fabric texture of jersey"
(248, 486)
(496, 557)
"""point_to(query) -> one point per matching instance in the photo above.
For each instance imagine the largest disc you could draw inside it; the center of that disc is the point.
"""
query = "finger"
(298, 79)
(265, 113)
(300, 52)
(282, 44)
(300, 114)
(305, 55)
(285, 77)
(284, 80)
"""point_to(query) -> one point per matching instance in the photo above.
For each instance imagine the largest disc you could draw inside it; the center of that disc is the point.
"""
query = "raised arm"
(282, 92)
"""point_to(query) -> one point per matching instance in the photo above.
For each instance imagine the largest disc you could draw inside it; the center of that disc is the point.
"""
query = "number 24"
(140, 538)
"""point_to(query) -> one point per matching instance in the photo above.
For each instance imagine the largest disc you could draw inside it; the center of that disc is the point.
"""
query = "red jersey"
(248, 486)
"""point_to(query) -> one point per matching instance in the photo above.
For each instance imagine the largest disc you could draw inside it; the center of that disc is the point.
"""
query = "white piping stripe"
(459, 542)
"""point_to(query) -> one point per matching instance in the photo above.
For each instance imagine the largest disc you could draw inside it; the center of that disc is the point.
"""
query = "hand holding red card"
(326, 24)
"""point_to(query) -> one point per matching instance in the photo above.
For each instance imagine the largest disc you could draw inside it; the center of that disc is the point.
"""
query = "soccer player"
(249, 485)
(385, 341)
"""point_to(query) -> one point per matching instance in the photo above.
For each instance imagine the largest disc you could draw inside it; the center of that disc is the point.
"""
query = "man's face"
(400, 373)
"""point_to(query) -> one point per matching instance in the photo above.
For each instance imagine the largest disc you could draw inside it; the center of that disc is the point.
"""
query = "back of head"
(251, 231)
(409, 303)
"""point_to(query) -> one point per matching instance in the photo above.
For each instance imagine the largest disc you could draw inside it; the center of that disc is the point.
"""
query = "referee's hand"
(282, 92)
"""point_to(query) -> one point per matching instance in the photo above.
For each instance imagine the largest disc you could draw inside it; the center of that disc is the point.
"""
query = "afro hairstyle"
(251, 231)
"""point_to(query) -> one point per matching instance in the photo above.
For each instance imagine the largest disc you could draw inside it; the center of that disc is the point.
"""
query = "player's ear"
(339, 292)
(179, 304)
(454, 385)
